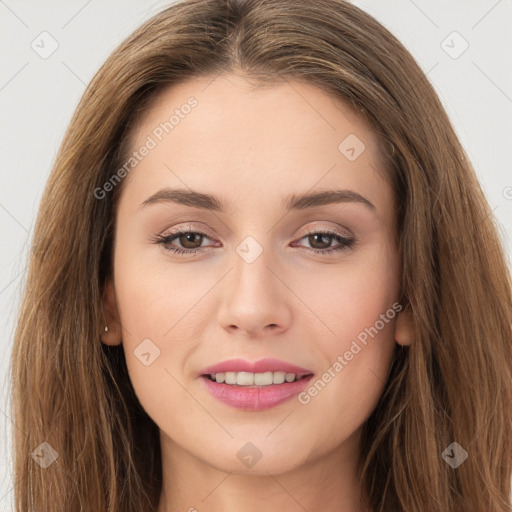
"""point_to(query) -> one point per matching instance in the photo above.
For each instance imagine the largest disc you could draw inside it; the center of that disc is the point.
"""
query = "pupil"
(320, 236)
(188, 237)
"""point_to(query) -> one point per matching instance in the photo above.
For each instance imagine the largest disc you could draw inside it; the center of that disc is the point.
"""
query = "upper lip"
(260, 366)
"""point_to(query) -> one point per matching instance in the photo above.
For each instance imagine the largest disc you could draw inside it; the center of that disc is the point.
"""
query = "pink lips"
(261, 366)
(255, 398)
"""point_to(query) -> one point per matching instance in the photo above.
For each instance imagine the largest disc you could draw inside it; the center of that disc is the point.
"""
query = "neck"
(329, 482)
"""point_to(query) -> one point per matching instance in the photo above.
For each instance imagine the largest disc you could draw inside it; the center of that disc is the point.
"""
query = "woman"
(263, 273)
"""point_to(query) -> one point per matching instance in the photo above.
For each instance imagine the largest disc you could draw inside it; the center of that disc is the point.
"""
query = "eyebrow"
(204, 201)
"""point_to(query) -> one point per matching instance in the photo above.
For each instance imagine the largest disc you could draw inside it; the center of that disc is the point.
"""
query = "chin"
(257, 455)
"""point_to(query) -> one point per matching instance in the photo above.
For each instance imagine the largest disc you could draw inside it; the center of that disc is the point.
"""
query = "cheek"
(149, 305)
(359, 310)
(153, 295)
(350, 297)
(163, 310)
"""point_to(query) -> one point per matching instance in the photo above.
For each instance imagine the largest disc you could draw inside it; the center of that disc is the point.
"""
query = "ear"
(112, 321)
(404, 327)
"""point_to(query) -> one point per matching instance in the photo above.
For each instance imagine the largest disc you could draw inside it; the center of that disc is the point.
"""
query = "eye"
(191, 241)
(320, 241)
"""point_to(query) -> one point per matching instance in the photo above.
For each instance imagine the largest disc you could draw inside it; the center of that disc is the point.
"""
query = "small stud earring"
(106, 328)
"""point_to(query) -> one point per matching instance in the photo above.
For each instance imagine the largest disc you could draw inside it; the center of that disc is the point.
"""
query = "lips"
(261, 366)
(254, 386)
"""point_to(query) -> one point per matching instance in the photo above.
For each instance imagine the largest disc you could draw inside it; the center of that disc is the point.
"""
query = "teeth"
(230, 378)
(245, 379)
(253, 379)
(263, 379)
(279, 377)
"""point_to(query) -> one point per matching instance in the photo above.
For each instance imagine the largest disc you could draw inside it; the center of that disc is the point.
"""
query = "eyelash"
(165, 240)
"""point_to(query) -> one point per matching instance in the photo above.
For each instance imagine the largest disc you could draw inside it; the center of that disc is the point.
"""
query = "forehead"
(222, 133)
(230, 101)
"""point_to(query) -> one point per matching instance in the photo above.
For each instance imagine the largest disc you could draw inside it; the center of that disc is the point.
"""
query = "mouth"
(254, 386)
(249, 379)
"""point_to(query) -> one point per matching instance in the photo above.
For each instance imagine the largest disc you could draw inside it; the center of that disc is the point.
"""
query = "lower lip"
(255, 398)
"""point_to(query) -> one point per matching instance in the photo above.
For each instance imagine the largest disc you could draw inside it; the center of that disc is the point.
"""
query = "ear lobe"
(111, 336)
(404, 328)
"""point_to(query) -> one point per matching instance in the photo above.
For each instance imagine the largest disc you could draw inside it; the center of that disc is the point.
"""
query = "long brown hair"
(453, 384)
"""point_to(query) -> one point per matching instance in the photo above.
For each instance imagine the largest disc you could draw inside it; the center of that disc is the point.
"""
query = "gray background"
(38, 96)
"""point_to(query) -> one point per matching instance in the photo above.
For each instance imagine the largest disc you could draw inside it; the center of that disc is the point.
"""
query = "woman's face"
(263, 273)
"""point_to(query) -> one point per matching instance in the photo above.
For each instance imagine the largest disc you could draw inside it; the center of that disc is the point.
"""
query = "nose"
(256, 301)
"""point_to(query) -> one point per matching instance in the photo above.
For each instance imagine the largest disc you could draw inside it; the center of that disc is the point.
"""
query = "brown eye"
(182, 241)
(320, 241)
(190, 240)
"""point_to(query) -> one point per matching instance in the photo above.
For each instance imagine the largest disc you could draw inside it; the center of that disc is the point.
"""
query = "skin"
(252, 148)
